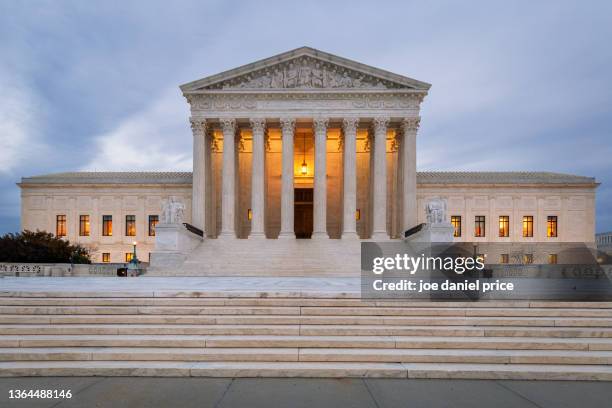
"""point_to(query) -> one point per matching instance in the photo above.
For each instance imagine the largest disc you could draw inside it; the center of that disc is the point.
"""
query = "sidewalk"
(271, 392)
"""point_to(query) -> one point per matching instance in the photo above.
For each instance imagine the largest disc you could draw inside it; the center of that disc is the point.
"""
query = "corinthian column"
(320, 179)
(258, 126)
(228, 193)
(409, 176)
(288, 128)
(349, 224)
(379, 229)
(198, 191)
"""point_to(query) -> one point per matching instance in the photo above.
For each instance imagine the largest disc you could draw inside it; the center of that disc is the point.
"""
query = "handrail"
(413, 230)
(193, 229)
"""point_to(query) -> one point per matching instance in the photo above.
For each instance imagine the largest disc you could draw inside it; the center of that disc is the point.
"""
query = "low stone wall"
(44, 269)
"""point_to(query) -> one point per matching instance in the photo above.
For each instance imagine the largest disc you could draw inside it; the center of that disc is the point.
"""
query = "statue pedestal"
(440, 232)
(173, 242)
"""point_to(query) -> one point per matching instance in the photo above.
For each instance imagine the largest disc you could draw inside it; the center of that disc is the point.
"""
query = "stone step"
(294, 341)
(150, 310)
(352, 311)
(310, 330)
(306, 320)
(307, 369)
(149, 354)
(308, 354)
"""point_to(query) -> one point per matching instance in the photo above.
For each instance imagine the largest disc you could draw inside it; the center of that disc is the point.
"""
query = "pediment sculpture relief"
(305, 73)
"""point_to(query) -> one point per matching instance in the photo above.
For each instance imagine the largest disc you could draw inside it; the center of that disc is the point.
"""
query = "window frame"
(456, 222)
(478, 220)
(107, 225)
(129, 256)
(106, 257)
(504, 226)
(130, 225)
(153, 221)
(61, 222)
(552, 225)
(84, 225)
(527, 226)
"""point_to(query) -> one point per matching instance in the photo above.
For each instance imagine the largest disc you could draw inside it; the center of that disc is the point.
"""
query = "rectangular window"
(552, 259)
(456, 221)
(107, 225)
(527, 258)
(504, 259)
(60, 226)
(504, 226)
(551, 226)
(130, 225)
(129, 256)
(528, 226)
(106, 257)
(479, 226)
(84, 225)
(153, 220)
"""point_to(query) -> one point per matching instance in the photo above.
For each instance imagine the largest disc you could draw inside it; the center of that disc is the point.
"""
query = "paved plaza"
(274, 392)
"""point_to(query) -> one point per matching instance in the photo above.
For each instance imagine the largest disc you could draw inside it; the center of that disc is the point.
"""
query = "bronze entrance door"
(303, 212)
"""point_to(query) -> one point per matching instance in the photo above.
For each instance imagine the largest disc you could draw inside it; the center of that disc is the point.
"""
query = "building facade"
(306, 144)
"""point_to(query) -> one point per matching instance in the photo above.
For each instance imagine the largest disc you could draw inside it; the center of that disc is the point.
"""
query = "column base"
(350, 235)
(227, 235)
(257, 235)
(319, 235)
(380, 236)
(286, 235)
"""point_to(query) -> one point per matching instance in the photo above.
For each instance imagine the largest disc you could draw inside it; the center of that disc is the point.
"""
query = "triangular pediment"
(306, 69)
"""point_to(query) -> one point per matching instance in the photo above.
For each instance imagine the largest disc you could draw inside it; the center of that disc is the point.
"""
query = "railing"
(193, 230)
(413, 230)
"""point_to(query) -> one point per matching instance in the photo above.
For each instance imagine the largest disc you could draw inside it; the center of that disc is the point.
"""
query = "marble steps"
(289, 330)
(297, 341)
(307, 370)
(269, 354)
(304, 320)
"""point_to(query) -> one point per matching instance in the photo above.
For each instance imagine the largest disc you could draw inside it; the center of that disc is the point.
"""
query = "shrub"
(40, 247)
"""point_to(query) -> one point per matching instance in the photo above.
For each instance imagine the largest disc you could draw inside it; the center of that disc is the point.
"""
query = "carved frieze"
(306, 73)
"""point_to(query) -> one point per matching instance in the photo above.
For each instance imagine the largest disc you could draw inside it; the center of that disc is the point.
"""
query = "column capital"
(411, 124)
(287, 125)
(198, 126)
(228, 125)
(320, 124)
(350, 124)
(380, 123)
(258, 124)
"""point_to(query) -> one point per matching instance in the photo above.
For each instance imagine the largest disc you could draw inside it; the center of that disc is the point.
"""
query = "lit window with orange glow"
(60, 225)
(528, 226)
(504, 226)
(107, 225)
(456, 222)
(130, 225)
(551, 226)
(479, 226)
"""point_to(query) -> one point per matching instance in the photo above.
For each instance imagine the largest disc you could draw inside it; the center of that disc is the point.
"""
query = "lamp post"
(132, 268)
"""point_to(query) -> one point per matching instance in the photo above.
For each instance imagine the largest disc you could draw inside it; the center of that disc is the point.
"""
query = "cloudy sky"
(93, 85)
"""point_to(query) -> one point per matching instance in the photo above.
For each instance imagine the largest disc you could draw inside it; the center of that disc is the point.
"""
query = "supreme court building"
(296, 158)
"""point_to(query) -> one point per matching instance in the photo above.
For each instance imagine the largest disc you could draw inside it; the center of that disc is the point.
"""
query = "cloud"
(20, 123)
(155, 138)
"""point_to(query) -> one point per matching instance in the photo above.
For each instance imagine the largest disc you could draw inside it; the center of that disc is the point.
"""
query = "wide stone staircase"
(327, 334)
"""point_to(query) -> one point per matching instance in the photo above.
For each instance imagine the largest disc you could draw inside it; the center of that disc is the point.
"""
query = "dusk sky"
(93, 85)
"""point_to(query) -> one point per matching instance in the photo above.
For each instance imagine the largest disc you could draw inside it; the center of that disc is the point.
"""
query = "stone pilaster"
(379, 229)
(320, 179)
(410, 127)
(349, 224)
(198, 192)
(258, 126)
(228, 188)
(287, 192)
